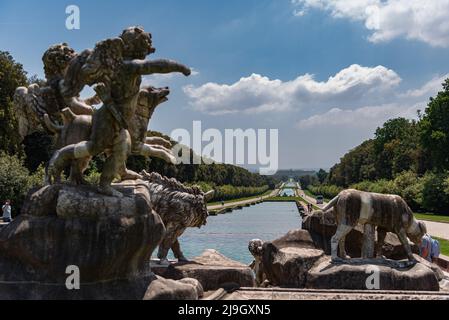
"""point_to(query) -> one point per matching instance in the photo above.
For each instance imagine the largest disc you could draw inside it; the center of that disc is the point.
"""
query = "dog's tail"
(331, 204)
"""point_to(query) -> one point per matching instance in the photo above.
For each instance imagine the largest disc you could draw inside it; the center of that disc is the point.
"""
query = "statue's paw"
(164, 262)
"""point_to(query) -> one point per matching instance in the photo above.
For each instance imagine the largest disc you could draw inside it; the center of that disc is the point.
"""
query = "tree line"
(405, 157)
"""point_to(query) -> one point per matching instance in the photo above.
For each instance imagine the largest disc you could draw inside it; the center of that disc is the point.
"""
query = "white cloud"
(257, 94)
(427, 90)
(371, 116)
(367, 118)
(423, 20)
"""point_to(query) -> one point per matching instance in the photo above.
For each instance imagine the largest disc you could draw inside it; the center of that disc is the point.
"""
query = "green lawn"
(432, 217)
(444, 246)
(240, 199)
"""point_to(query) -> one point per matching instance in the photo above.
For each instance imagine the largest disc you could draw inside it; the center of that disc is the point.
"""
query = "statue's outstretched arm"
(160, 66)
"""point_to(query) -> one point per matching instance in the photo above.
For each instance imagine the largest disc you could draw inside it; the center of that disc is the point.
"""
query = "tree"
(14, 180)
(322, 175)
(307, 181)
(435, 129)
(357, 165)
(394, 147)
(38, 148)
(12, 76)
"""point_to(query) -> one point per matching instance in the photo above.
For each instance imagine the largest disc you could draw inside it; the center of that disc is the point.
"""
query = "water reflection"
(230, 233)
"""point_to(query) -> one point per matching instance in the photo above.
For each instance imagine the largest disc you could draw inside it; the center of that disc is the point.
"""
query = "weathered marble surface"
(327, 275)
(211, 269)
(167, 289)
(293, 261)
(110, 239)
(307, 294)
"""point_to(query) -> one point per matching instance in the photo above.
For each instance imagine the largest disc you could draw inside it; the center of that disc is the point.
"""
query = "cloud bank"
(258, 94)
(421, 20)
(357, 97)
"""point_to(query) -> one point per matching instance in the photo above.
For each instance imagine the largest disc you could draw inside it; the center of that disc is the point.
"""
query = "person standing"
(429, 248)
(7, 211)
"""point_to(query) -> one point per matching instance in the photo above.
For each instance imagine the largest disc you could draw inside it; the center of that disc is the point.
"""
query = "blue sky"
(383, 64)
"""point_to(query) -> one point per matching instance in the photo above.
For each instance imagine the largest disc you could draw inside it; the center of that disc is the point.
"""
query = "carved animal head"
(138, 43)
(151, 97)
(255, 247)
(56, 59)
(418, 232)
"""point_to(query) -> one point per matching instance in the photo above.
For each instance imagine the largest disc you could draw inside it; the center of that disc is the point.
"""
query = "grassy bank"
(444, 246)
(432, 217)
(240, 199)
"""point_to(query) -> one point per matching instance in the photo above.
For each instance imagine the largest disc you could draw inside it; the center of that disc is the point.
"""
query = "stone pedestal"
(211, 269)
(109, 239)
(292, 261)
(360, 275)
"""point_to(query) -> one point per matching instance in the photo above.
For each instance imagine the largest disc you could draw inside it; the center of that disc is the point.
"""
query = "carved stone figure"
(34, 102)
(76, 129)
(118, 64)
(255, 247)
(180, 207)
(390, 213)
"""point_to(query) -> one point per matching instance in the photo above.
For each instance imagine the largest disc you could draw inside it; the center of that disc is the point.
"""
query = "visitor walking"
(7, 211)
(429, 248)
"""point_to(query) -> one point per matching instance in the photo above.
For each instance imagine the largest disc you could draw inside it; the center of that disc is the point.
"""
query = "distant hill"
(293, 173)
(215, 174)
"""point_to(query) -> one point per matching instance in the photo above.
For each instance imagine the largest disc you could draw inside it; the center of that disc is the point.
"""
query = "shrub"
(434, 195)
(14, 181)
(326, 190)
